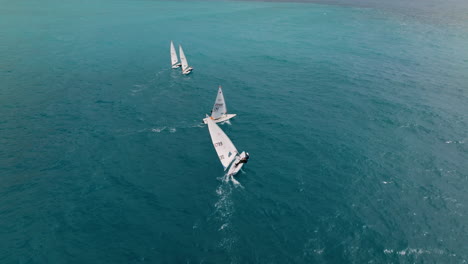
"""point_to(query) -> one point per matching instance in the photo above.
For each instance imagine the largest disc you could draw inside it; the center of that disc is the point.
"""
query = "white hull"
(236, 165)
(187, 71)
(221, 119)
(177, 65)
(233, 170)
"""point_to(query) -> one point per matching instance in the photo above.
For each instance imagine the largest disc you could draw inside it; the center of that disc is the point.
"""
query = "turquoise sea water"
(355, 119)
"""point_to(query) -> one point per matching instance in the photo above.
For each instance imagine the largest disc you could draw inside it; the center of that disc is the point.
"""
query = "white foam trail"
(224, 204)
(225, 178)
(455, 141)
(161, 71)
(157, 75)
(173, 129)
(139, 88)
(224, 209)
(158, 129)
(414, 251)
(319, 251)
(223, 226)
(198, 125)
(235, 182)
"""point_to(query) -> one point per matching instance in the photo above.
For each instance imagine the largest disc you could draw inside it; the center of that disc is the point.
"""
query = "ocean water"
(355, 117)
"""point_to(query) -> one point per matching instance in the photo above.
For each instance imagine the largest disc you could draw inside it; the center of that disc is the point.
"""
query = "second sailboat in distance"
(186, 69)
(219, 112)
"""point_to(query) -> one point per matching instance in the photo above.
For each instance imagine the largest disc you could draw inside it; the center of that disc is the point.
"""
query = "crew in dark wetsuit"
(244, 159)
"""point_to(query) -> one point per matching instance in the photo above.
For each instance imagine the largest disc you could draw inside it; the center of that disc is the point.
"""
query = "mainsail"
(222, 144)
(219, 108)
(174, 59)
(183, 60)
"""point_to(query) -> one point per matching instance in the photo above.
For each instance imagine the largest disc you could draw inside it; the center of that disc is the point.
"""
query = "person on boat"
(244, 159)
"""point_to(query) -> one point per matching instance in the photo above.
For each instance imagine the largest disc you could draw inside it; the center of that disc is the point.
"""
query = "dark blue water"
(356, 119)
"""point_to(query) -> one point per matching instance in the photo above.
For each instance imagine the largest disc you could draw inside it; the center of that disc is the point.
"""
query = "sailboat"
(219, 112)
(186, 69)
(227, 152)
(174, 60)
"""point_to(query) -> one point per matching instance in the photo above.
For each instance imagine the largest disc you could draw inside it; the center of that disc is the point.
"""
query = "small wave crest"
(161, 129)
(454, 142)
(173, 128)
(415, 251)
(158, 129)
(138, 88)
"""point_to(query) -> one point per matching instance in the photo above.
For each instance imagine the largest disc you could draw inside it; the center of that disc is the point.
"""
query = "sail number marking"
(217, 106)
(218, 144)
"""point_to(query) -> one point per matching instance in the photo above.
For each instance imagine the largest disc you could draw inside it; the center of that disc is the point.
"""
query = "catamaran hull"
(221, 119)
(175, 66)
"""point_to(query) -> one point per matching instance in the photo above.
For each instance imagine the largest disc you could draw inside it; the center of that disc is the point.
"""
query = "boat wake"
(224, 210)
(157, 75)
(158, 129)
(417, 252)
(455, 142)
(138, 88)
(198, 125)
(172, 128)
(161, 129)
(226, 122)
(234, 181)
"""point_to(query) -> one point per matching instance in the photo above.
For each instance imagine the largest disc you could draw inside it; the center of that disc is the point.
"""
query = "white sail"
(219, 107)
(174, 59)
(222, 144)
(183, 60)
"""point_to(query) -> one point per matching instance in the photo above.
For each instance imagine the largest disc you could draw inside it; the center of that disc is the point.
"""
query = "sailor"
(244, 159)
